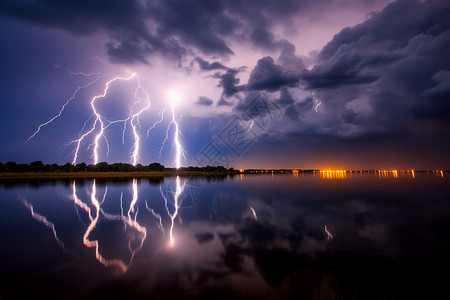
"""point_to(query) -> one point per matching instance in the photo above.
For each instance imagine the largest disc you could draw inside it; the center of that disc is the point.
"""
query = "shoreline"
(94, 175)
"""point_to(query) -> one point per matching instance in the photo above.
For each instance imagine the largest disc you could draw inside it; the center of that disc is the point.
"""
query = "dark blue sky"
(276, 84)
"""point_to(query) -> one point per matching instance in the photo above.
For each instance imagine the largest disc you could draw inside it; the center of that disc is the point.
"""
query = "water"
(260, 236)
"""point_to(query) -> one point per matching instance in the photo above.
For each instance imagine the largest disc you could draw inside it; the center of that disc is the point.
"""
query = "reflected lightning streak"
(94, 244)
(129, 220)
(329, 235)
(253, 212)
(157, 216)
(43, 220)
(176, 197)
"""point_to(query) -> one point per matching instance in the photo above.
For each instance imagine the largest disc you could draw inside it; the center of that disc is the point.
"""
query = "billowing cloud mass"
(384, 76)
(174, 28)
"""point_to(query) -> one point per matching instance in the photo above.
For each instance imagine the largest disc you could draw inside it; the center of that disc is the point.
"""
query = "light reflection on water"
(264, 236)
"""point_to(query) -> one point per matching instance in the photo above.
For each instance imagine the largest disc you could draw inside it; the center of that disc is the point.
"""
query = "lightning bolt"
(251, 125)
(318, 102)
(76, 73)
(134, 121)
(63, 107)
(43, 220)
(179, 150)
(157, 122)
(101, 124)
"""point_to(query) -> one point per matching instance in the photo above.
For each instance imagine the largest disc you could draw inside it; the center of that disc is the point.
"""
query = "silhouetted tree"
(156, 167)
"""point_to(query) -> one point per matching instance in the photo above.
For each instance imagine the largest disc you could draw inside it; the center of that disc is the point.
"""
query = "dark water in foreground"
(281, 237)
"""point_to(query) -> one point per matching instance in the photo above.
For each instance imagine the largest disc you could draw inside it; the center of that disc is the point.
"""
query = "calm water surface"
(261, 236)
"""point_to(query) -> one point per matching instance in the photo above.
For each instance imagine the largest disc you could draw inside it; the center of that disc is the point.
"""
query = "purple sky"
(260, 84)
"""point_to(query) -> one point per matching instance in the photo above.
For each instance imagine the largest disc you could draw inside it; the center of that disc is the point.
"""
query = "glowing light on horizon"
(388, 173)
(333, 174)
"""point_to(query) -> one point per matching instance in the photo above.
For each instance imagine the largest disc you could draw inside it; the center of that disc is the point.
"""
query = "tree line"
(39, 166)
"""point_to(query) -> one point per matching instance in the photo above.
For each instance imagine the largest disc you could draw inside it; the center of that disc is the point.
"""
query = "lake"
(291, 236)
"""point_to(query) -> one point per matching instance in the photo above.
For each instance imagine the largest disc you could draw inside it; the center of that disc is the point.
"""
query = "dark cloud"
(194, 23)
(285, 98)
(393, 27)
(267, 75)
(347, 68)
(136, 30)
(295, 110)
(204, 237)
(207, 66)
(379, 78)
(124, 22)
(127, 52)
(223, 102)
(288, 58)
(262, 38)
(205, 101)
(229, 82)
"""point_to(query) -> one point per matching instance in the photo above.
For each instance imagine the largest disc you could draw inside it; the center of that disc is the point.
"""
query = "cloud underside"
(385, 78)
(377, 79)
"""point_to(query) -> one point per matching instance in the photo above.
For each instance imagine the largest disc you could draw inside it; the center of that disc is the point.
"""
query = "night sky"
(260, 83)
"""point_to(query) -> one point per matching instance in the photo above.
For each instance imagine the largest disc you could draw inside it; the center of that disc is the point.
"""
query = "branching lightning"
(179, 150)
(92, 134)
(100, 121)
(76, 73)
(157, 122)
(129, 220)
(63, 107)
(176, 197)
